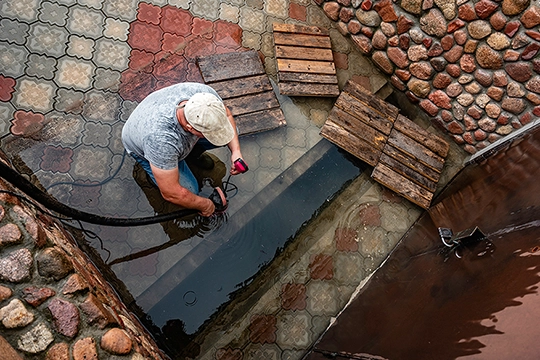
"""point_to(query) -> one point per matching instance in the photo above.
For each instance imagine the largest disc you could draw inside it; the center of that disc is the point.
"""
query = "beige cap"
(207, 114)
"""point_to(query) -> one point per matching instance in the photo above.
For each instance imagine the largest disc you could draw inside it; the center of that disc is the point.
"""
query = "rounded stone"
(58, 351)
(505, 130)
(368, 18)
(479, 29)
(455, 128)
(36, 296)
(470, 123)
(500, 78)
(466, 12)
(484, 8)
(447, 42)
(433, 23)
(65, 316)
(379, 40)
(419, 87)
(484, 78)
(16, 266)
(498, 21)
(422, 70)
(470, 46)
(498, 41)
(331, 9)
(520, 71)
(116, 341)
(465, 99)
(487, 124)
(488, 58)
(480, 135)
(482, 100)
(475, 112)
(453, 70)
(435, 50)
(53, 263)
(454, 90)
(354, 26)
(388, 29)
(460, 37)
(531, 17)
(438, 63)
(454, 54)
(467, 63)
(448, 8)
(534, 85)
(10, 234)
(513, 105)
(429, 107)
(514, 7)
(465, 79)
(15, 315)
(36, 340)
(5, 293)
(515, 90)
(417, 53)
(398, 57)
(412, 6)
(473, 88)
(439, 98)
(496, 93)
(85, 349)
(493, 110)
(442, 81)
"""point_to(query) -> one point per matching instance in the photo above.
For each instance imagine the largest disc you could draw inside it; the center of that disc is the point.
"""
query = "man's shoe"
(204, 161)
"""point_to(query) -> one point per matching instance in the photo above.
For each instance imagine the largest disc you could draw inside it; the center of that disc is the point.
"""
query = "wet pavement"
(70, 74)
(478, 300)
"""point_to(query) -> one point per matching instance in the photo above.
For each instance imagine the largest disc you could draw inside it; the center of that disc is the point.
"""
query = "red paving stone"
(202, 28)
(176, 21)
(149, 13)
(174, 43)
(321, 267)
(262, 329)
(56, 159)
(141, 60)
(346, 239)
(145, 36)
(298, 12)
(26, 123)
(7, 86)
(293, 296)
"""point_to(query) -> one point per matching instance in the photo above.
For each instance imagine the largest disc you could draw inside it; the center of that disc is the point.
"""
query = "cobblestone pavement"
(72, 71)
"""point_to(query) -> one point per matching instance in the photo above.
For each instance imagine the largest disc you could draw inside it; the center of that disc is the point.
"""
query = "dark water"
(427, 303)
(242, 250)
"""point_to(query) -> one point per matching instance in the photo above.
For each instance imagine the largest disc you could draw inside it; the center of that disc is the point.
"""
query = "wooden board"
(414, 131)
(402, 185)
(305, 61)
(239, 78)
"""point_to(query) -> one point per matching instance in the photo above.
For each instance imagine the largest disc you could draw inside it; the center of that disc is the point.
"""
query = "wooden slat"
(364, 113)
(401, 185)
(310, 41)
(351, 124)
(299, 29)
(416, 150)
(359, 92)
(260, 121)
(297, 52)
(226, 66)
(429, 140)
(308, 78)
(411, 162)
(353, 144)
(242, 86)
(409, 173)
(308, 89)
(251, 103)
(304, 66)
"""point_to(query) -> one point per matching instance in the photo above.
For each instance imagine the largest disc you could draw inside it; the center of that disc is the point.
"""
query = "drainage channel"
(228, 259)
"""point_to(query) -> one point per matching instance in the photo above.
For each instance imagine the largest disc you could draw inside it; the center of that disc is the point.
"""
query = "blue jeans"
(187, 179)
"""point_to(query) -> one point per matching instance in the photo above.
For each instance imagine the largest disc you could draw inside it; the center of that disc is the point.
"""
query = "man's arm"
(172, 191)
(234, 145)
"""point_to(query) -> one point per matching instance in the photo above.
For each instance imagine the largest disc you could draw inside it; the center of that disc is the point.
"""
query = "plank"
(242, 86)
(303, 66)
(355, 145)
(251, 103)
(298, 52)
(358, 91)
(259, 121)
(232, 65)
(409, 173)
(299, 29)
(308, 78)
(359, 128)
(416, 150)
(310, 41)
(401, 185)
(308, 89)
(411, 162)
(429, 140)
(364, 113)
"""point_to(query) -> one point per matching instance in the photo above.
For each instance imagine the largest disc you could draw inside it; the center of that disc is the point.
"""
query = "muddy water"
(428, 303)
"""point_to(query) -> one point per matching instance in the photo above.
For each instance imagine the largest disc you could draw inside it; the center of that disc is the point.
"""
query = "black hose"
(51, 203)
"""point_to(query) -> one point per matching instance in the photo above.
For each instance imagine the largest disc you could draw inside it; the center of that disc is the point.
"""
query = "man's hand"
(208, 209)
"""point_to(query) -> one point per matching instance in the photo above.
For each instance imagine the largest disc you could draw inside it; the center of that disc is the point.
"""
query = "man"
(176, 122)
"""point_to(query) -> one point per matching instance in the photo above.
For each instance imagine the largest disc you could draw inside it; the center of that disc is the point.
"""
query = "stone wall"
(54, 303)
(471, 65)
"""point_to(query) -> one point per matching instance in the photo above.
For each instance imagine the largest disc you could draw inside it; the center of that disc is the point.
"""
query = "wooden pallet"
(239, 78)
(360, 123)
(412, 161)
(305, 61)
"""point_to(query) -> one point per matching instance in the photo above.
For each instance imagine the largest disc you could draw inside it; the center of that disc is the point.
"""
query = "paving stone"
(419, 87)
(479, 29)
(321, 267)
(65, 317)
(531, 17)
(36, 340)
(433, 23)
(36, 296)
(521, 71)
(53, 263)
(262, 329)
(513, 105)
(498, 21)
(16, 266)
(116, 341)
(498, 41)
(514, 7)
(488, 58)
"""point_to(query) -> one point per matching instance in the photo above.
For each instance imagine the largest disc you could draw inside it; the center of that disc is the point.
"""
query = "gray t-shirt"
(152, 130)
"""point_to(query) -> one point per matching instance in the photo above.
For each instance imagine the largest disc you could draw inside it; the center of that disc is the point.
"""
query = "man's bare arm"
(172, 191)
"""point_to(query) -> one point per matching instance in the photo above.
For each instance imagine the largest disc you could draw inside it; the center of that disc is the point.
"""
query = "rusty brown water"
(426, 303)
